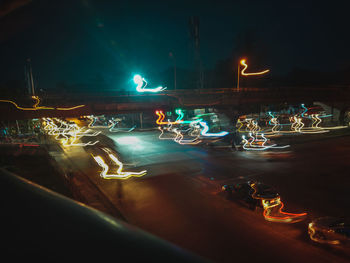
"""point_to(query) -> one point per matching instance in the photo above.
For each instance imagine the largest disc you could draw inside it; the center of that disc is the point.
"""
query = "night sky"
(84, 40)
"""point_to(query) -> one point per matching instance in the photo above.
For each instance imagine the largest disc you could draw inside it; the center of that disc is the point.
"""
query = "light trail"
(180, 139)
(243, 63)
(313, 236)
(36, 107)
(205, 130)
(258, 147)
(93, 120)
(273, 212)
(162, 133)
(273, 209)
(161, 117)
(241, 125)
(316, 121)
(70, 133)
(305, 110)
(120, 174)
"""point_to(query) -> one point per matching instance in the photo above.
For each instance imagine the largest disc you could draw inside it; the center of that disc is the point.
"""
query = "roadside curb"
(82, 188)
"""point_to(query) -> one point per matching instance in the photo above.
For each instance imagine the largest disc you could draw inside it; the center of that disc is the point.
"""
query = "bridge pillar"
(337, 111)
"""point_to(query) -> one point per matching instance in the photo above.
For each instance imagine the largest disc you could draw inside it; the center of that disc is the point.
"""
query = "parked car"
(330, 230)
(251, 193)
(257, 195)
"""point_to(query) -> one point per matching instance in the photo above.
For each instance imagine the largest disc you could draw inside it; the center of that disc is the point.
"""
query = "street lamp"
(173, 57)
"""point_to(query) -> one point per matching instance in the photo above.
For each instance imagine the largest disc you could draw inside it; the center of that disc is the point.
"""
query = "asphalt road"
(180, 198)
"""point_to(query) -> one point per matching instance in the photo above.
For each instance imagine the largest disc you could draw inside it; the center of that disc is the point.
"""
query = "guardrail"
(40, 224)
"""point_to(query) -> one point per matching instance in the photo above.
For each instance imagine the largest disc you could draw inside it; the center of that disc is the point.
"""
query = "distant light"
(138, 79)
(128, 140)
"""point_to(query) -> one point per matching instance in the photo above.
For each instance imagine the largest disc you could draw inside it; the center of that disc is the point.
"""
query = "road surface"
(180, 198)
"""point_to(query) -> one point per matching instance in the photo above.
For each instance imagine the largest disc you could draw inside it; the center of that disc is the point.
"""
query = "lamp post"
(173, 57)
(238, 76)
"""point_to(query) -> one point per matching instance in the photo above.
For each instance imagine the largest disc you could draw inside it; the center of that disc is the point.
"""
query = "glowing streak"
(122, 129)
(71, 108)
(239, 121)
(274, 121)
(295, 124)
(249, 124)
(142, 83)
(273, 212)
(260, 142)
(37, 102)
(120, 174)
(336, 127)
(271, 205)
(254, 149)
(243, 63)
(93, 120)
(21, 108)
(180, 115)
(316, 122)
(300, 124)
(162, 133)
(112, 129)
(205, 130)
(254, 127)
(71, 130)
(75, 137)
(325, 116)
(260, 147)
(305, 110)
(179, 139)
(252, 141)
(161, 117)
(313, 236)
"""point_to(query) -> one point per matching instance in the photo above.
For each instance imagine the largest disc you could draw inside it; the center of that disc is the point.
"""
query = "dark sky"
(76, 41)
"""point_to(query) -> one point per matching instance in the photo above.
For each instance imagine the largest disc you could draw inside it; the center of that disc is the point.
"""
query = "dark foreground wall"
(42, 225)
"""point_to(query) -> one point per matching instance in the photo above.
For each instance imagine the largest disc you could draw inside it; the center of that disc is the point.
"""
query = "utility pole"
(194, 34)
(29, 78)
(173, 57)
(238, 76)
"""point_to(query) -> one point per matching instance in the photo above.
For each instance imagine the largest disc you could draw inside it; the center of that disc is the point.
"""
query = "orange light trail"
(270, 206)
(37, 102)
(313, 236)
(243, 63)
(279, 216)
(161, 117)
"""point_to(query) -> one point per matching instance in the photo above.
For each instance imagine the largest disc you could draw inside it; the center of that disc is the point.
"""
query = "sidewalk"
(82, 188)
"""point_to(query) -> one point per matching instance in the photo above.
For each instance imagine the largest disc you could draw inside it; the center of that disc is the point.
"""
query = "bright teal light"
(142, 83)
(138, 79)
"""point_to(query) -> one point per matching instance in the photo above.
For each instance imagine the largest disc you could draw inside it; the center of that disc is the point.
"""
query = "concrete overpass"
(247, 100)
